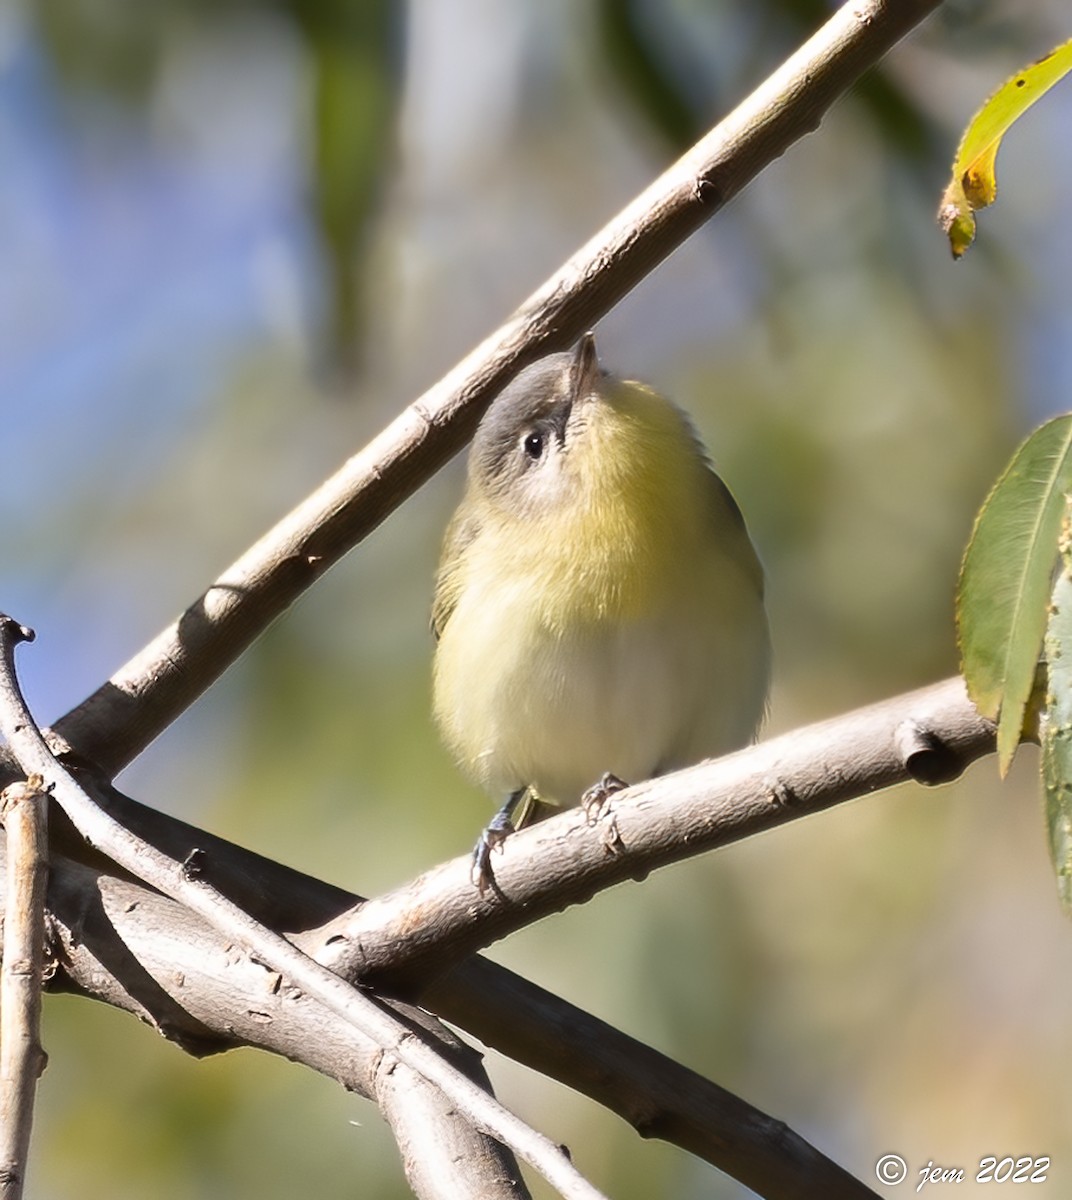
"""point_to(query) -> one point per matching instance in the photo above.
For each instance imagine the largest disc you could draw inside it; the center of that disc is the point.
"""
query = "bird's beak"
(585, 367)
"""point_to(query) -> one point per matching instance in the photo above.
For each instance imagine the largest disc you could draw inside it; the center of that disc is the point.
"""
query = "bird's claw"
(594, 801)
(597, 807)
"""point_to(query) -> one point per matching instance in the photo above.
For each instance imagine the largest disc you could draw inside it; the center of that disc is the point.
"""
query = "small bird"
(598, 605)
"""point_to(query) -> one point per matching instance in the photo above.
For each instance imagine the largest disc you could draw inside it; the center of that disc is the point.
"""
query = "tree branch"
(122, 943)
(183, 883)
(658, 1096)
(929, 735)
(22, 812)
(503, 1010)
(114, 724)
(437, 1148)
(404, 938)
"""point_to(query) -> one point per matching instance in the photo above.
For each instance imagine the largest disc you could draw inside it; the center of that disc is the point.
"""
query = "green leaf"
(1056, 727)
(1005, 580)
(974, 184)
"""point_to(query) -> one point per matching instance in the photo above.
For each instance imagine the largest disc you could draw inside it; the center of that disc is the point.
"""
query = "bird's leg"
(495, 833)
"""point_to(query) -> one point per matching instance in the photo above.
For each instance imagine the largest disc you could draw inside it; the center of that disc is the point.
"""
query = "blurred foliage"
(890, 975)
(646, 81)
(632, 40)
(354, 56)
(356, 53)
(112, 47)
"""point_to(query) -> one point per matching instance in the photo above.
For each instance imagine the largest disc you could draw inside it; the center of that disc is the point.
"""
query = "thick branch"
(437, 1148)
(406, 937)
(929, 735)
(658, 1096)
(120, 719)
(126, 945)
(183, 883)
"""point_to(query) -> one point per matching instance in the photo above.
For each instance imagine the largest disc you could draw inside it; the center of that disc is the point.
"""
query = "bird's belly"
(595, 703)
(555, 709)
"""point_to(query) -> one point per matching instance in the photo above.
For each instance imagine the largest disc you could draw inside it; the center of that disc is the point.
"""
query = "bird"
(599, 605)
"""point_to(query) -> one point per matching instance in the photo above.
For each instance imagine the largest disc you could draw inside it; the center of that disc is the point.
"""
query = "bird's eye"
(533, 444)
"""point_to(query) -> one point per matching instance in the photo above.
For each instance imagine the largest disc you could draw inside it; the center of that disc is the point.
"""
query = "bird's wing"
(730, 527)
(461, 531)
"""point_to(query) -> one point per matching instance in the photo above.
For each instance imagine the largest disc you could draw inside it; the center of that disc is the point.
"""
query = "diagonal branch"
(114, 724)
(406, 937)
(657, 1096)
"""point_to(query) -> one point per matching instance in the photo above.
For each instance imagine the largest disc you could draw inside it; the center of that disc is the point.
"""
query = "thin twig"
(181, 882)
(23, 814)
(120, 719)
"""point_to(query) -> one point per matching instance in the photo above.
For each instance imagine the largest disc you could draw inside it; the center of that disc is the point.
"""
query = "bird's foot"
(492, 838)
(595, 799)
(497, 831)
(597, 806)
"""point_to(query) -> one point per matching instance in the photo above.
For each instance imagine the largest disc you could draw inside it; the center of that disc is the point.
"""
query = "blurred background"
(239, 237)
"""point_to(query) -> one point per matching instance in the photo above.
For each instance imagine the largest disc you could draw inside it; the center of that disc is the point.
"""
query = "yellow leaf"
(974, 184)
